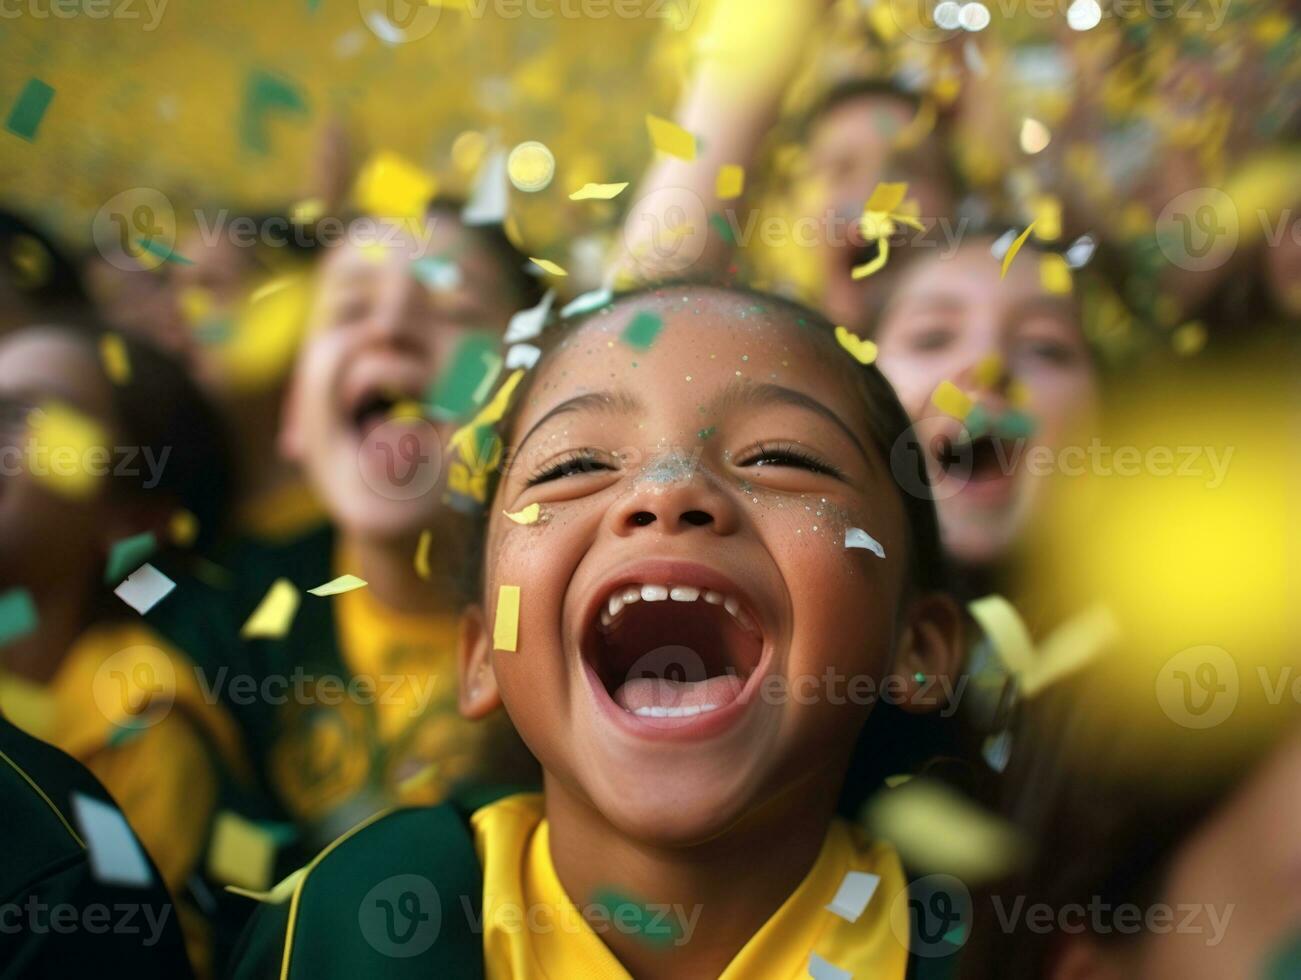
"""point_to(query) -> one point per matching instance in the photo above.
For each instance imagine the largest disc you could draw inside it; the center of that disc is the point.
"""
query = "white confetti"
(853, 895)
(527, 324)
(487, 204)
(820, 969)
(856, 537)
(144, 588)
(1081, 250)
(115, 854)
(522, 356)
(587, 302)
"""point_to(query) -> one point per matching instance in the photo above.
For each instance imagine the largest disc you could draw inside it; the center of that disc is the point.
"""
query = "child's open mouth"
(669, 652)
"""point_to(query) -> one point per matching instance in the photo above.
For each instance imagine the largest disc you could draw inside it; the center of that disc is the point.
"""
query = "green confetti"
(654, 927)
(27, 113)
(264, 95)
(467, 380)
(17, 615)
(164, 252)
(1015, 425)
(706, 433)
(1285, 964)
(128, 554)
(720, 225)
(642, 329)
(977, 422)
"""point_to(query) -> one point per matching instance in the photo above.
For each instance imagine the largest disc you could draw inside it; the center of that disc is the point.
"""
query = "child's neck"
(725, 888)
(388, 566)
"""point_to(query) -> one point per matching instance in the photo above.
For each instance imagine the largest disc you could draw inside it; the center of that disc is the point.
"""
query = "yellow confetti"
(1007, 632)
(112, 351)
(598, 192)
(1071, 646)
(278, 895)
(417, 779)
(505, 631)
(529, 515)
(344, 583)
(1018, 394)
(422, 555)
(183, 528)
(307, 211)
(241, 852)
(886, 197)
(61, 449)
(730, 182)
(951, 400)
(272, 617)
(863, 350)
(549, 267)
(490, 414)
(671, 138)
(1054, 274)
(392, 186)
(875, 265)
(1047, 212)
(1014, 248)
(406, 408)
(988, 370)
(467, 151)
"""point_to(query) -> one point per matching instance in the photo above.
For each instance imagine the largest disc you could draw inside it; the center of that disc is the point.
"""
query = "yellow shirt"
(520, 888)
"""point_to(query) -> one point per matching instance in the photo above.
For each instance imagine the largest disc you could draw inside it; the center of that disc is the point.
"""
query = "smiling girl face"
(690, 619)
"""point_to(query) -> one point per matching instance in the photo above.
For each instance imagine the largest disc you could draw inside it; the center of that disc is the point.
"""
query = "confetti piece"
(642, 330)
(1014, 248)
(886, 197)
(1080, 252)
(62, 442)
(874, 265)
(417, 779)
(266, 95)
(529, 515)
(144, 588)
(650, 926)
(17, 615)
(862, 349)
(856, 537)
(241, 852)
(855, 891)
(26, 115)
(344, 583)
(112, 353)
(531, 166)
(392, 186)
(547, 266)
(671, 138)
(1047, 212)
(988, 370)
(1189, 338)
(407, 408)
(505, 631)
(528, 323)
(996, 750)
(937, 830)
(307, 211)
(440, 275)
(1006, 631)
(723, 228)
(1015, 424)
(820, 969)
(274, 614)
(422, 555)
(1018, 394)
(115, 854)
(522, 356)
(951, 400)
(487, 203)
(1054, 274)
(1069, 647)
(977, 422)
(128, 554)
(1034, 136)
(160, 251)
(598, 192)
(730, 182)
(464, 383)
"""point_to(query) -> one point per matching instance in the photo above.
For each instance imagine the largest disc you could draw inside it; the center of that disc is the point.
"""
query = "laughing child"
(695, 554)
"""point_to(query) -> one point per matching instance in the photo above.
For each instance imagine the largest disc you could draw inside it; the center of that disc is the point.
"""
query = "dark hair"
(1105, 789)
(493, 237)
(161, 409)
(851, 90)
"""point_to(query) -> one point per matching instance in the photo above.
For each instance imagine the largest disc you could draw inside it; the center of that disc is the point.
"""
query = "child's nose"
(691, 501)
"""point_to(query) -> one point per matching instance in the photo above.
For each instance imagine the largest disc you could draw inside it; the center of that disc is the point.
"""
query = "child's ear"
(478, 684)
(930, 652)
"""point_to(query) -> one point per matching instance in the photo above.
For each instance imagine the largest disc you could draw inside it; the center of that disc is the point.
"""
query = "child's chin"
(673, 811)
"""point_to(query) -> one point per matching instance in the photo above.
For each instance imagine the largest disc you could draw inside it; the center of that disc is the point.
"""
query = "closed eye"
(574, 463)
(787, 454)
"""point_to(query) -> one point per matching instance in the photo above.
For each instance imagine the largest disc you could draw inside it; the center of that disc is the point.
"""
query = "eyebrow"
(743, 394)
(611, 402)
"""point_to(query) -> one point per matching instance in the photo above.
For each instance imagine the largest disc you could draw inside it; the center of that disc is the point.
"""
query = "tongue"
(657, 692)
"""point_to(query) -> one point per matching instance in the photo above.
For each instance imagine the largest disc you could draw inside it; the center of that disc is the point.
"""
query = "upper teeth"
(626, 595)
